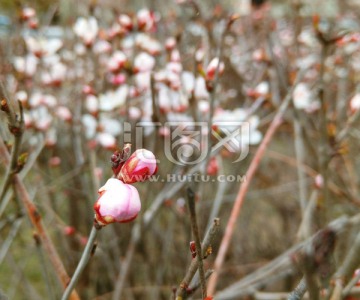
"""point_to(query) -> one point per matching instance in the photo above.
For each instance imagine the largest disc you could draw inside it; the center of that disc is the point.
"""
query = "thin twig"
(299, 292)
(10, 238)
(347, 268)
(192, 288)
(300, 159)
(206, 246)
(323, 139)
(88, 251)
(30, 161)
(195, 230)
(16, 127)
(45, 272)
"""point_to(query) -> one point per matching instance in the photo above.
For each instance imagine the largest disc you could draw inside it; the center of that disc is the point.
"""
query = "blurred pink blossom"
(144, 62)
(355, 102)
(145, 20)
(86, 29)
(64, 113)
(116, 61)
(211, 68)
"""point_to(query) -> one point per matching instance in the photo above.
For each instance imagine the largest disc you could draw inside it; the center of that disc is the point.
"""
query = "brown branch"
(16, 128)
(195, 229)
(35, 219)
(347, 268)
(206, 250)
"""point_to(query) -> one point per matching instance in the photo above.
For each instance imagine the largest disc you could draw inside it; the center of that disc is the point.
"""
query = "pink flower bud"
(170, 43)
(54, 161)
(64, 113)
(319, 181)
(211, 69)
(117, 79)
(33, 23)
(212, 167)
(355, 103)
(125, 21)
(69, 230)
(27, 13)
(118, 202)
(145, 20)
(88, 90)
(139, 167)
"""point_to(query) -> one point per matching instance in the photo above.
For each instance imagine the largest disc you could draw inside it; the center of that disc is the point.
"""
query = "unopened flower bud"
(139, 167)
(118, 202)
(211, 69)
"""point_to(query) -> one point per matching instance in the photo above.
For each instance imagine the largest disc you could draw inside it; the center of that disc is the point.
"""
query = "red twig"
(244, 188)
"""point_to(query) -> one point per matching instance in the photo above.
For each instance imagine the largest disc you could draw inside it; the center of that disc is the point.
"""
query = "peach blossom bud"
(54, 161)
(164, 131)
(92, 104)
(22, 96)
(33, 23)
(27, 13)
(83, 240)
(118, 79)
(211, 69)
(118, 202)
(125, 21)
(175, 56)
(199, 55)
(106, 140)
(116, 61)
(88, 90)
(170, 43)
(98, 172)
(319, 181)
(134, 113)
(144, 62)
(64, 113)
(212, 167)
(355, 103)
(181, 205)
(69, 230)
(145, 20)
(139, 167)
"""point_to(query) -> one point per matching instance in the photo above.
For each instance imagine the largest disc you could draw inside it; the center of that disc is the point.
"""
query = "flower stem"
(82, 263)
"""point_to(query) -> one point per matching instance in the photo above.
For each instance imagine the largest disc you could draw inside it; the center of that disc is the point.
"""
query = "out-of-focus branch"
(245, 186)
(16, 128)
(35, 219)
(282, 265)
(345, 271)
(299, 292)
(215, 82)
(323, 140)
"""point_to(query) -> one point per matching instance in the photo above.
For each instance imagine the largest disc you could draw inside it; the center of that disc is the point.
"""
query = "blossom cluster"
(119, 201)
